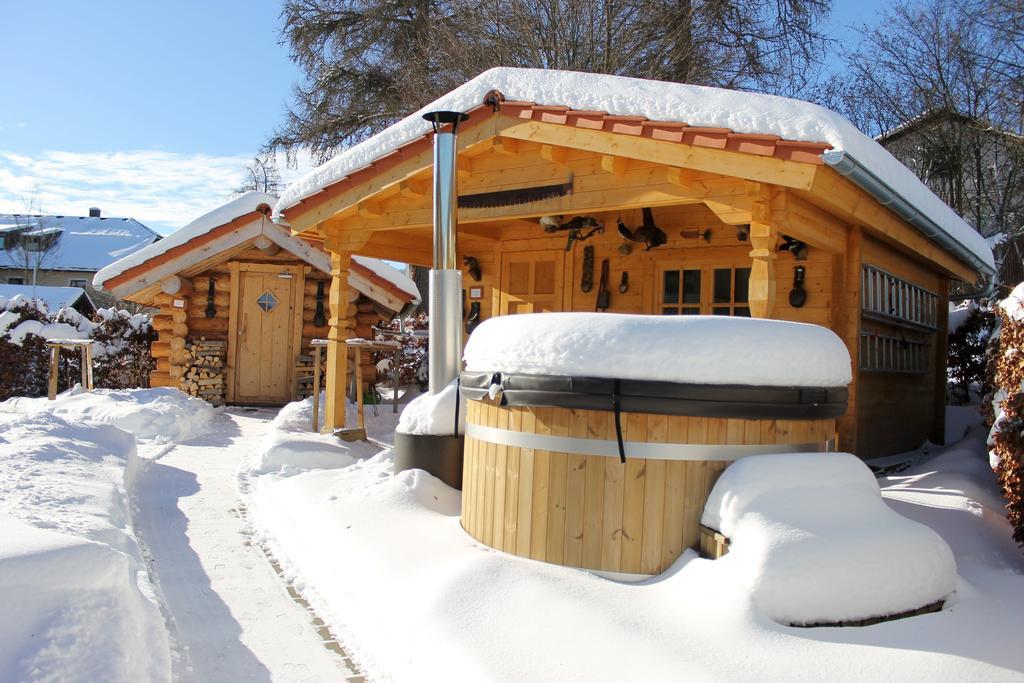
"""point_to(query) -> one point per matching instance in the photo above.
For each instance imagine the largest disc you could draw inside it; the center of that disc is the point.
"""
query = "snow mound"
(685, 349)
(433, 413)
(71, 573)
(1013, 305)
(291, 447)
(813, 541)
(72, 611)
(160, 415)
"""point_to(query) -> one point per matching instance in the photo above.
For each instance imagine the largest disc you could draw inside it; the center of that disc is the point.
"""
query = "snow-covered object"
(742, 112)
(1013, 305)
(684, 349)
(391, 274)
(55, 298)
(76, 593)
(86, 243)
(434, 413)
(239, 206)
(291, 446)
(814, 542)
(958, 315)
(160, 415)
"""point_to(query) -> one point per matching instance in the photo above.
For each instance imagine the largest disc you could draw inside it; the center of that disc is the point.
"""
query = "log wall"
(181, 328)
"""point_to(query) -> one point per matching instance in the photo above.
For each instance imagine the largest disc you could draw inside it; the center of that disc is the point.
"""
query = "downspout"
(445, 331)
(846, 165)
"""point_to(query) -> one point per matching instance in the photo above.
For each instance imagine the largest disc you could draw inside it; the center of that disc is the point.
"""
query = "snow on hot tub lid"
(685, 349)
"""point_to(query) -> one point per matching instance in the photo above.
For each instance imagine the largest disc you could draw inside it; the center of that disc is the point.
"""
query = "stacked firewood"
(204, 369)
(304, 375)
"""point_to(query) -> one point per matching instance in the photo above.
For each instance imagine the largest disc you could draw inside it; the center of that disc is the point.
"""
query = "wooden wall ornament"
(319, 319)
(211, 308)
(473, 267)
(798, 295)
(587, 279)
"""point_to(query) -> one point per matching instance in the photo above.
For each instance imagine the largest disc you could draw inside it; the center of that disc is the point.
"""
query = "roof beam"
(737, 164)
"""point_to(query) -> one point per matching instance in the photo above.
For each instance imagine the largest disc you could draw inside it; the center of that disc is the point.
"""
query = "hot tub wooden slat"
(527, 424)
(575, 490)
(500, 472)
(593, 496)
(591, 510)
(512, 466)
(611, 521)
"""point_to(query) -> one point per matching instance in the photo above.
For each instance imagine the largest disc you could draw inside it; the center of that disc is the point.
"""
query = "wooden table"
(360, 345)
(318, 345)
(55, 346)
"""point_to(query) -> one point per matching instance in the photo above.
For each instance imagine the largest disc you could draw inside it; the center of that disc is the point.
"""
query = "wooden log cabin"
(239, 300)
(712, 202)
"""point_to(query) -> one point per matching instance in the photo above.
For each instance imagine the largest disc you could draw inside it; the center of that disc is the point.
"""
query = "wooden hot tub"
(543, 476)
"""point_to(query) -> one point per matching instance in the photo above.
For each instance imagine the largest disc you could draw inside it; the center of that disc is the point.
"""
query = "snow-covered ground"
(98, 487)
(415, 598)
(78, 604)
(383, 562)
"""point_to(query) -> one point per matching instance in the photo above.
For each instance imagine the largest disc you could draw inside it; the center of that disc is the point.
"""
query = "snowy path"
(230, 615)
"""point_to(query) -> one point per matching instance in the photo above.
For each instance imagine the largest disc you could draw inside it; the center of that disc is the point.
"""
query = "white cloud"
(22, 124)
(164, 190)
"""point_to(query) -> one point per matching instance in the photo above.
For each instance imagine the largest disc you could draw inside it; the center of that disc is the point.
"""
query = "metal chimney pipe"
(445, 351)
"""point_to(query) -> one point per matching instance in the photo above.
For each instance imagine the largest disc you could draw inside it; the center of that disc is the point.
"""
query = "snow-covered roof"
(391, 274)
(86, 243)
(241, 206)
(55, 298)
(741, 112)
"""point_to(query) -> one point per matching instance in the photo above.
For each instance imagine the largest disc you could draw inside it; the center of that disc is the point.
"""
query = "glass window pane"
(691, 311)
(691, 286)
(742, 311)
(670, 291)
(723, 281)
(720, 310)
(669, 310)
(742, 285)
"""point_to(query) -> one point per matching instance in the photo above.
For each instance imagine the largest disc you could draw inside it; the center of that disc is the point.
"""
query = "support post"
(337, 352)
(51, 393)
(83, 352)
(763, 236)
(316, 387)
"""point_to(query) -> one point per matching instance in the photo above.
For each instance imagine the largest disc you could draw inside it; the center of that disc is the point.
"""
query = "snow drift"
(291, 446)
(161, 415)
(76, 595)
(813, 541)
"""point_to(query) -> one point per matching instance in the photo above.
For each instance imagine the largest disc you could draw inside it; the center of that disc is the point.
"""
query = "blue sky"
(149, 109)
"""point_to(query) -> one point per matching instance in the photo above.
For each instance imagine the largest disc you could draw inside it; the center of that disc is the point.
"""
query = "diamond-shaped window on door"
(266, 302)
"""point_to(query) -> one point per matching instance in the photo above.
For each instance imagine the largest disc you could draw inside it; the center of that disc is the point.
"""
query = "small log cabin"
(239, 300)
(668, 199)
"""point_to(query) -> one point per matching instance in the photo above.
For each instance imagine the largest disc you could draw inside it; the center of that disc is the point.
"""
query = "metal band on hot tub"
(634, 449)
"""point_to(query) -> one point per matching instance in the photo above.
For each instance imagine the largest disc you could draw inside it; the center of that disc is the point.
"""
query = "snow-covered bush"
(965, 361)
(1007, 436)
(121, 352)
(414, 349)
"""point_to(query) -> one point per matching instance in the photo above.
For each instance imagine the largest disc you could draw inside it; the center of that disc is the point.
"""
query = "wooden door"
(265, 324)
(531, 281)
